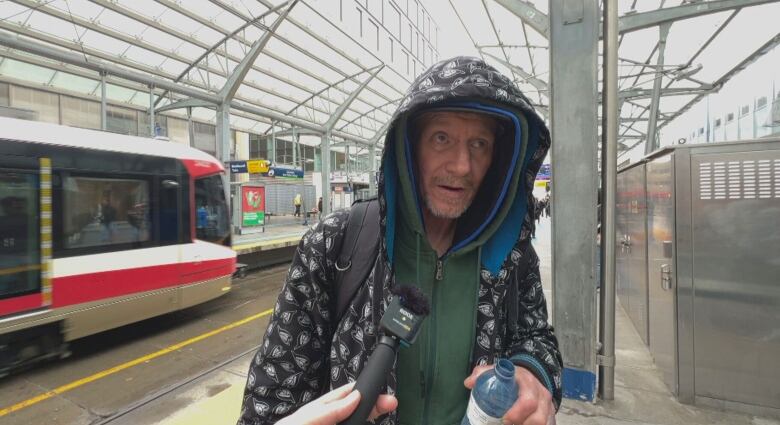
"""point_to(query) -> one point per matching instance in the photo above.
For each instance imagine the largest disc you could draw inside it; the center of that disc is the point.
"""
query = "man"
(297, 204)
(458, 167)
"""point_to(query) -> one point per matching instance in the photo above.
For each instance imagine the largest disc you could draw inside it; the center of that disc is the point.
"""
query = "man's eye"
(479, 144)
(440, 138)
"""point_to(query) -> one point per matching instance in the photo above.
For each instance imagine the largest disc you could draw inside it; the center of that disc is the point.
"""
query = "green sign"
(254, 218)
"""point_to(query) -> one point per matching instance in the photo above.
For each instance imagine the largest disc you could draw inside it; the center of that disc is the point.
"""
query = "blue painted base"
(579, 384)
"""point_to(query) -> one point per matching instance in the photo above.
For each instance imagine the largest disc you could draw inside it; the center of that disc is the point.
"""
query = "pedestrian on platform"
(454, 218)
(297, 201)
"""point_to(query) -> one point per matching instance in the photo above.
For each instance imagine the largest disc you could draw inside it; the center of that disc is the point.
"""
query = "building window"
(717, 122)
(121, 120)
(744, 110)
(5, 99)
(46, 105)
(374, 32)
(360, 20)
(729, 117)
(701, 131)
(394, 22)
(761, 102)
(409, 38)
(205, 137)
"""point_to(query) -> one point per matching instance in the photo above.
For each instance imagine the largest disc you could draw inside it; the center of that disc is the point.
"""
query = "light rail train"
(99, 230)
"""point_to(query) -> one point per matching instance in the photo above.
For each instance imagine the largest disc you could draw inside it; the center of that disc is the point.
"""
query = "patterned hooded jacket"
(307, 351)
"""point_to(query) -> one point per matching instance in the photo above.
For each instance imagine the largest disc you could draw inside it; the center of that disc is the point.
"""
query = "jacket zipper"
(439, 269)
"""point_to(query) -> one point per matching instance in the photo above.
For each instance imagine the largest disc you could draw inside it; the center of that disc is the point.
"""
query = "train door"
(25, 234)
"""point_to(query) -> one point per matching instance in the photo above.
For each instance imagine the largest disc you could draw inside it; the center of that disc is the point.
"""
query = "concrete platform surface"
(280, 232)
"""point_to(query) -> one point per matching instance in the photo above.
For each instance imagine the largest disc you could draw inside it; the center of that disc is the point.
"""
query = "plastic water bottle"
(493, 394)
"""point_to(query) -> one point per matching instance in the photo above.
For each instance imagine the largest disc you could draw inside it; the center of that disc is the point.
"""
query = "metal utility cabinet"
(698, 269)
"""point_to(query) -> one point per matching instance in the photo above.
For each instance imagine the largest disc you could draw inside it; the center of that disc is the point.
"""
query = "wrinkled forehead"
(478, 121)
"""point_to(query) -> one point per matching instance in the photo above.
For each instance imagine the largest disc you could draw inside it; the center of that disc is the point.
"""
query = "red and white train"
(98, 230)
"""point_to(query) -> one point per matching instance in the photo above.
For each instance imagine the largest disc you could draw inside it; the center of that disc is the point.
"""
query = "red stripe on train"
(77, 289)
(19, 304)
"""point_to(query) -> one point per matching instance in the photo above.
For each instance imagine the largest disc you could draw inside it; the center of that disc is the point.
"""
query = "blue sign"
(545, 172)
(284, 172)
(237, 167)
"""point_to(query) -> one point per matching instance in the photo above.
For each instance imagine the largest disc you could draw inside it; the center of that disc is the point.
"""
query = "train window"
(105, 211)
(212, 218)
(20, 260)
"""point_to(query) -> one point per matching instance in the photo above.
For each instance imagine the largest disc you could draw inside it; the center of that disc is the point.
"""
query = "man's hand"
(534, 406)
(336, 406)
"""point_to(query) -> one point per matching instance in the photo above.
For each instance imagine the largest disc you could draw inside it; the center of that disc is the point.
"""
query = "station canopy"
(308, 68)
(708, 43)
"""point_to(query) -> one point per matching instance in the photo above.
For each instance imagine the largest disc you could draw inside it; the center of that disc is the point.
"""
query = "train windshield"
(212, 219)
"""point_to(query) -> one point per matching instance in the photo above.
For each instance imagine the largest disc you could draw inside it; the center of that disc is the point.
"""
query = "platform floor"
(279, 232)
(640, 396)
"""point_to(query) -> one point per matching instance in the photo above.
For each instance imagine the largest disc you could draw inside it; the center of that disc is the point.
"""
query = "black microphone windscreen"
(412, 298)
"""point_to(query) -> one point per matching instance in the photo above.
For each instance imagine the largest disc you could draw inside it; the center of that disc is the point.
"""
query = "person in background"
(297, 201)
(455, 214)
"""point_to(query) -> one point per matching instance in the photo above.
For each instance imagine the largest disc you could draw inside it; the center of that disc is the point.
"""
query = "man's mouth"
(452, 189)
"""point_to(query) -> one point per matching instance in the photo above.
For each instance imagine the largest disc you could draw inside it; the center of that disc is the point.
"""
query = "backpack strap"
(512, 293)
(358, 252)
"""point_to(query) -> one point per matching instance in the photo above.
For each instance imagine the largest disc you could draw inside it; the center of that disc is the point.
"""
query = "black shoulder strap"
(358, 251)
(512, 294)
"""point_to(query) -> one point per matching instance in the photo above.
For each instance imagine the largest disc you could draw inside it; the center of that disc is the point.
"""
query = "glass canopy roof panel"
(104, 43)
(80, 8)
(639, 6)
(119, 93)
(120, 23)
(25, 71)
(476, 21)
(75, 83)
(214, 13)
(688, 36)
(301, 60)
(302, 41)
(760, 22)
(673, 104)
(16, 13)
(638, 45)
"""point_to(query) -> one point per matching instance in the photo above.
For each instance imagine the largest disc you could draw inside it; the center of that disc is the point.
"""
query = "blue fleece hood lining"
(503, 239)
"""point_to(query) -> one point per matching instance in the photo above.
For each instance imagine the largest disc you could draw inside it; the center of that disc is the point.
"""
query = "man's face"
(454, 152)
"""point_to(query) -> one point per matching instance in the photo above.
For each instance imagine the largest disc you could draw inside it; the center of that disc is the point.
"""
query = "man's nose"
(459, 163)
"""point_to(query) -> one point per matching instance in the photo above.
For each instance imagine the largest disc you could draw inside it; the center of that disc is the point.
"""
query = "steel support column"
(325, 170)
(610, 116)
(103, 106)
(152, 133)
(223, 132)
(574, 31)
(372, 170)
(651, 143)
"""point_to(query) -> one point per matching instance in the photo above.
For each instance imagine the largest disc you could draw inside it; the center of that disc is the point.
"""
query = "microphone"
(401, 324)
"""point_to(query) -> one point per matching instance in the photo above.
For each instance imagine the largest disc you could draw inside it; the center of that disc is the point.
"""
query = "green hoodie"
(432, 370)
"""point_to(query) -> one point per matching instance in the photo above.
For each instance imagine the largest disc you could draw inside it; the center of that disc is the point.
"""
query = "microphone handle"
(372, 378)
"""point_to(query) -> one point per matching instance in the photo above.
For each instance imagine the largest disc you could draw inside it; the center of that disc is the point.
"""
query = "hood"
(495, 218)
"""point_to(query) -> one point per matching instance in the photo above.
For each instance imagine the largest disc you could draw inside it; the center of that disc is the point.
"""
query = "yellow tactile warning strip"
(267, 245)
(46, 230)
(102, 374)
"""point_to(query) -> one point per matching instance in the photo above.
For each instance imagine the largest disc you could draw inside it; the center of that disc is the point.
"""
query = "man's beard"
(456, 210)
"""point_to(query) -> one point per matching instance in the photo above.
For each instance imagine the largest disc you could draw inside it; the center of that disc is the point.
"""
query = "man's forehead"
(442, 117)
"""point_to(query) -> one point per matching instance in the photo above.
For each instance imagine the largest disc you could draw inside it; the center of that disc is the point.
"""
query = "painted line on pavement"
(102, 374)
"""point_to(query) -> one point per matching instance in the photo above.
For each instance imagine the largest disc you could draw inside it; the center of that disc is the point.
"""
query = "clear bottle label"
(478, 416)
